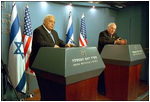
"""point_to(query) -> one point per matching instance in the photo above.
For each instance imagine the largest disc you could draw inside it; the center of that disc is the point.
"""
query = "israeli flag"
(16, 62)
(69, 33)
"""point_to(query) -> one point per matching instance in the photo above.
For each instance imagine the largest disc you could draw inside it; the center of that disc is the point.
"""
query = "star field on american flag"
(83, 28)
(27, 26)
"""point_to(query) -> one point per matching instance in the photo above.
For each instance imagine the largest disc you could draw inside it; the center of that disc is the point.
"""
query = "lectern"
(73, 71)
(122, 72)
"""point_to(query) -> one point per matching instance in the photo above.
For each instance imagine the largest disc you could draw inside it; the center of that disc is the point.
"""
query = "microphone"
(71, 39)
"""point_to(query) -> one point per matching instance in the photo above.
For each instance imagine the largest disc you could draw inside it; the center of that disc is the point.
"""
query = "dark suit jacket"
(104, 38)
(41, 38)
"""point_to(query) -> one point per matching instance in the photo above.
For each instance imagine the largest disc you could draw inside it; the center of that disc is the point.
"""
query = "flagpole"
(27, 74)
(5, 71)
(27, 5)
(83, 14)
(13, 2)
(69, 13)
(28, 94)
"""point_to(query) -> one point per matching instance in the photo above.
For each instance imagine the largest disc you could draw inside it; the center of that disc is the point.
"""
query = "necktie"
(110, 35)
(52, 37)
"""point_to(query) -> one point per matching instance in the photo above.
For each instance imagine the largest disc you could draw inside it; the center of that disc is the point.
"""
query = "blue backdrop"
(132, 24)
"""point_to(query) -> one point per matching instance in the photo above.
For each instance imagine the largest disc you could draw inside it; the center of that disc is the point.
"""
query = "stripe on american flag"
(27, 40)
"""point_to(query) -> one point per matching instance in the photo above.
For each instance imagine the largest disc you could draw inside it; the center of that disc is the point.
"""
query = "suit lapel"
(108, 35)
(47, 34)
(54, 36)
(113, 36)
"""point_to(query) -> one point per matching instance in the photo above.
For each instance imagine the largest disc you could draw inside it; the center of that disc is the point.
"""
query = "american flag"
(83, 36)
(27, 40)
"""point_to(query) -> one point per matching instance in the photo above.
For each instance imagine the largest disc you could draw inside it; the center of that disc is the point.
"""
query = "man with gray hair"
(107, 37)
(45, 36)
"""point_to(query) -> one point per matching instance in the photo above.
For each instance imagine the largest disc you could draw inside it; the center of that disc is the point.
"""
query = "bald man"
(45, 36)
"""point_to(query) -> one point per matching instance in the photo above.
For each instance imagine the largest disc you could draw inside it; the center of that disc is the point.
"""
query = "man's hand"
(125, 41)
(56, 46)
(69, 45)
(117, 41)
(121, 41)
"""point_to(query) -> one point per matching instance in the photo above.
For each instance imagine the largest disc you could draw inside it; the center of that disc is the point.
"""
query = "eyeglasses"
(112, 28)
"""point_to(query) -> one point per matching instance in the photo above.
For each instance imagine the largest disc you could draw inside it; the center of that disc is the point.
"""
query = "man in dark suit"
(107, 37)
(45, 36)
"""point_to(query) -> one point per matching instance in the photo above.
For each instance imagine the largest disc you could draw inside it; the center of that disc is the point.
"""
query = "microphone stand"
(5, 72)
(71, 39)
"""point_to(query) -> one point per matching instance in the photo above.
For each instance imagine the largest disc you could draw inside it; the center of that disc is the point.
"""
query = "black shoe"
(103, 93)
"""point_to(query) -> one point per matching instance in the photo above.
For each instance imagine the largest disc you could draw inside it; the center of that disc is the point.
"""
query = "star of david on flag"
(18, 50)
(16, 63)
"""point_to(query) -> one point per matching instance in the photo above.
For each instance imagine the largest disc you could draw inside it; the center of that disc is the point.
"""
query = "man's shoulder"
(53, 31)
(105, 32)
(39, 28)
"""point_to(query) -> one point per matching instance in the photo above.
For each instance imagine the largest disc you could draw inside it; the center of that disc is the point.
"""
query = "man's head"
(49, 22)
(111, 28)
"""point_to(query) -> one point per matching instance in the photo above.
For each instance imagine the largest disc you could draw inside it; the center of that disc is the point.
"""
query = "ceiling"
(120, 4)
(102, 4)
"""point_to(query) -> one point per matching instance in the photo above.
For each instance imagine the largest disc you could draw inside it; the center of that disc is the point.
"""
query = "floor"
(143, 94)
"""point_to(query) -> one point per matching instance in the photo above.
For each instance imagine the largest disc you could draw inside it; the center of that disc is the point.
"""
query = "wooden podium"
(122, 72)
(72, 72)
